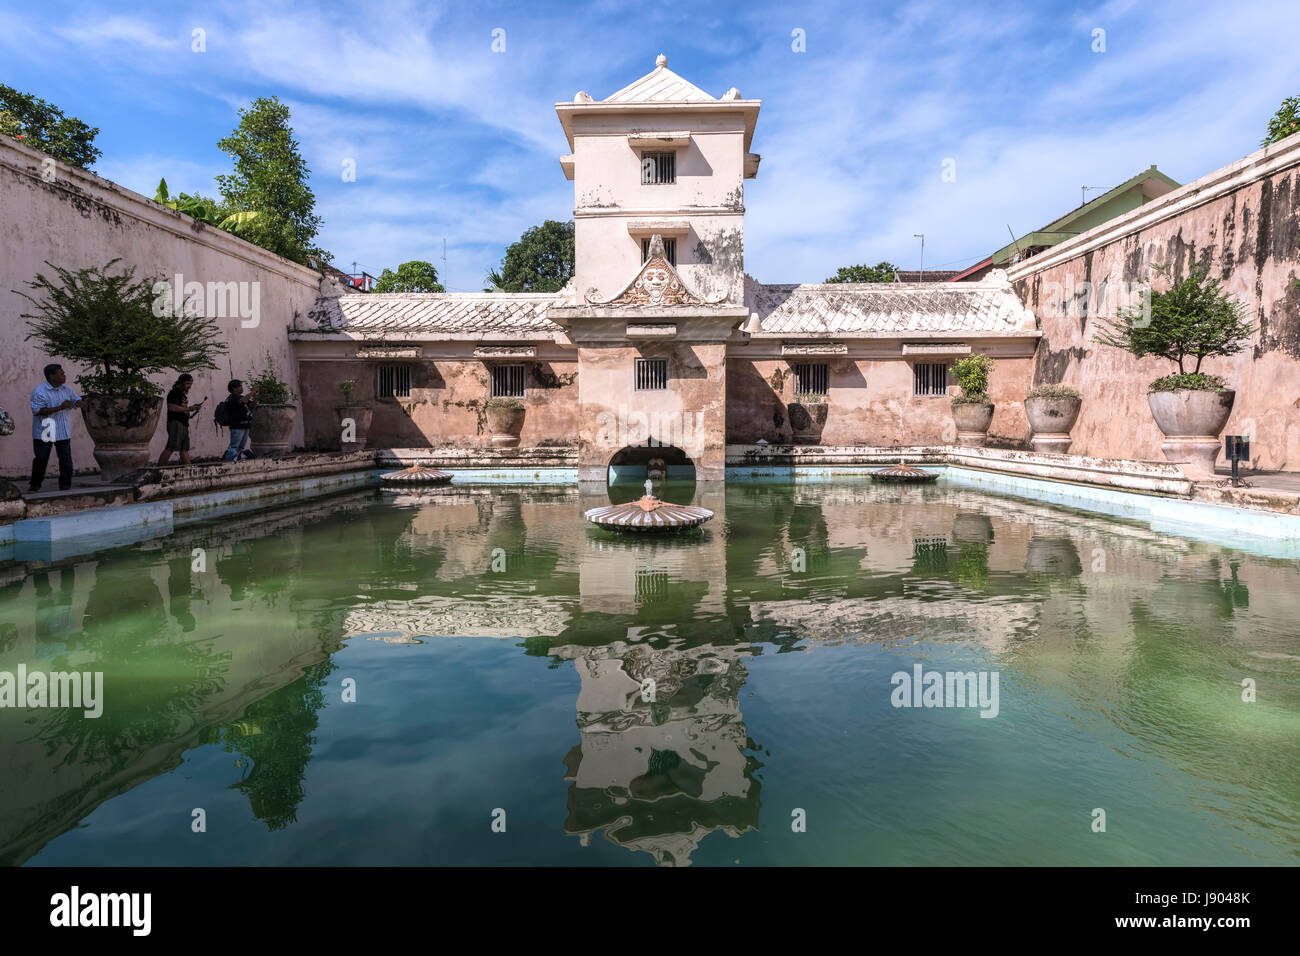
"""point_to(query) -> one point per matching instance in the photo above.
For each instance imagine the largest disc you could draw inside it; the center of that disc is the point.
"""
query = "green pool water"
(475, 676)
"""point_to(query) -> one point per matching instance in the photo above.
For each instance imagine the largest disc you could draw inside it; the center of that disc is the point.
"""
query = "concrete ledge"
(1156, 477)
(533, 457)
(152, 483)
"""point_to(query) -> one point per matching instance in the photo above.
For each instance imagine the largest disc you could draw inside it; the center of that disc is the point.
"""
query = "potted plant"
(972, 411)
(1052, 411)
(505, 418)
(354, 418)
(123, 330)
(273, 414)
(808, 413)
(1197, 319)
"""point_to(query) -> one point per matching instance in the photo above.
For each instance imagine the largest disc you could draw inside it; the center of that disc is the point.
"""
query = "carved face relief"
(656, 284)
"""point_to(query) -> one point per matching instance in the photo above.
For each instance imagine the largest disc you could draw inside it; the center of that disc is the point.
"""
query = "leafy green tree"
(270, 181)
(414, 276)
(119, 327)
(44, 126)
(1285, 121)
(880, 272)
(541, 261)
(1194, 318)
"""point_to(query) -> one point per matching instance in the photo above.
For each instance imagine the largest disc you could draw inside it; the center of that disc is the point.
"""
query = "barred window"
(811, 379)
(930, 378)
(393, 381)
(658, 169)
(507, 381)
(670, 250)
(651, 374)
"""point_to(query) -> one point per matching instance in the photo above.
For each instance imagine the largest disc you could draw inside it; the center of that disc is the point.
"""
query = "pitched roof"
(660, 85)
(436, 313)
(929, 275)
(861, 309)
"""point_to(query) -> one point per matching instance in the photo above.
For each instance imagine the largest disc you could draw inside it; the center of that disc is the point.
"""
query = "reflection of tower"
(662, 762)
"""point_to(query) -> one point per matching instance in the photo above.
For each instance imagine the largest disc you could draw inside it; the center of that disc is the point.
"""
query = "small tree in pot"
(1052, 411)
(273, 411)
(1193, 319)
(354, 418)
(972, 411)
(123, 330)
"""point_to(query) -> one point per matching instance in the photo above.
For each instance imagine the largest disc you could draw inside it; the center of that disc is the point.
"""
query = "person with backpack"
(179, 413)
(235, 413)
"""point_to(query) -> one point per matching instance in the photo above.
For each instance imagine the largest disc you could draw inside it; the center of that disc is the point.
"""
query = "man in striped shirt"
(52, 426)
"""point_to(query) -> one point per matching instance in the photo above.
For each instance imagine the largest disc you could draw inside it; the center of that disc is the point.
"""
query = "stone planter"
(807, 419)
(272, 425)
(1050, 421)
(972, 422)
(360, 416)
(1191, 419)
(121, 427)
(505, 422)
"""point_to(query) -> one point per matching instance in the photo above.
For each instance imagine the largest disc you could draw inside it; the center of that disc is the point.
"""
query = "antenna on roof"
(921, 236)
(1014, 241)
(1085, 189)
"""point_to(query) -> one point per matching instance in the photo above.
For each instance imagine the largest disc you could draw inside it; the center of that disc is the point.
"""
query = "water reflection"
(1148, 633)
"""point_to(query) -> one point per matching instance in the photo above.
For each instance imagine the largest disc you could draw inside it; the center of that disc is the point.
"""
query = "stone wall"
(52, 213)
(446, 405)
(1242, 224)
(871, 402)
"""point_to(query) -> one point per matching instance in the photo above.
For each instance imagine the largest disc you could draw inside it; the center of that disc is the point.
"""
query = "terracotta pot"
(807, 419)
(121, 427)
(1050, 421)
(972, 422)
(272, 425)
(505, 423)
(1191, 419)
(359, 416)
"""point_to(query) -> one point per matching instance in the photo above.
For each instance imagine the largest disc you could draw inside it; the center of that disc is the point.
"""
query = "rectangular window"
(393, 381)
(651, 374)
(812, 379)
(507, 381)
(930, 378)
(658, 169)
(670, 250)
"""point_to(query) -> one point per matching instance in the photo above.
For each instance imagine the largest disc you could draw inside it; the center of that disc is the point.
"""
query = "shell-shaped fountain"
(903, 472)
(648, 513)
(417, 474)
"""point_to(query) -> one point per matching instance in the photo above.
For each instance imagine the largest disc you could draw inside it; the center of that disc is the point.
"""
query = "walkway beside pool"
(155, 501)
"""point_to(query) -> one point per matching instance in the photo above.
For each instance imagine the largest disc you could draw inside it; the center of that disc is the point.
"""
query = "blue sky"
(454, 141)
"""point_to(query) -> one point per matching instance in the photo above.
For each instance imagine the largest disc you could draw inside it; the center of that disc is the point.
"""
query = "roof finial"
(661, 61)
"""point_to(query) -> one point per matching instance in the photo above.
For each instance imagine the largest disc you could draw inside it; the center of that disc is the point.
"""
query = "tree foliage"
(45, 127)
(270, 182)
(1194, 318)
(119, 327)
(880, 272)
(414, 276)
(1285, 122)
(972, 375)
(541, 261)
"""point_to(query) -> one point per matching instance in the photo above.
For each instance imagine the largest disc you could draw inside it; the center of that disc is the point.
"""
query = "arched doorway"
(670, 468)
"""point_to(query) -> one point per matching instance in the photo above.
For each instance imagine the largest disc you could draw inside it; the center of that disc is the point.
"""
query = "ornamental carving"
(657, 284)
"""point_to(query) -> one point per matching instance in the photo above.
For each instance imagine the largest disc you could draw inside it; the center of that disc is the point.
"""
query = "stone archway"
(671, 469)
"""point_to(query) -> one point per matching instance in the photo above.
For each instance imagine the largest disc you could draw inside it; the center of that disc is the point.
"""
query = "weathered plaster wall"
(80, 220)
(708, 194)
(690, 414)
(871, 402)
(1242, 223)
(446, 405)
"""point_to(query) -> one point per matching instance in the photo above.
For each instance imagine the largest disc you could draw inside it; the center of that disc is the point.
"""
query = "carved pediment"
(656, 284)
